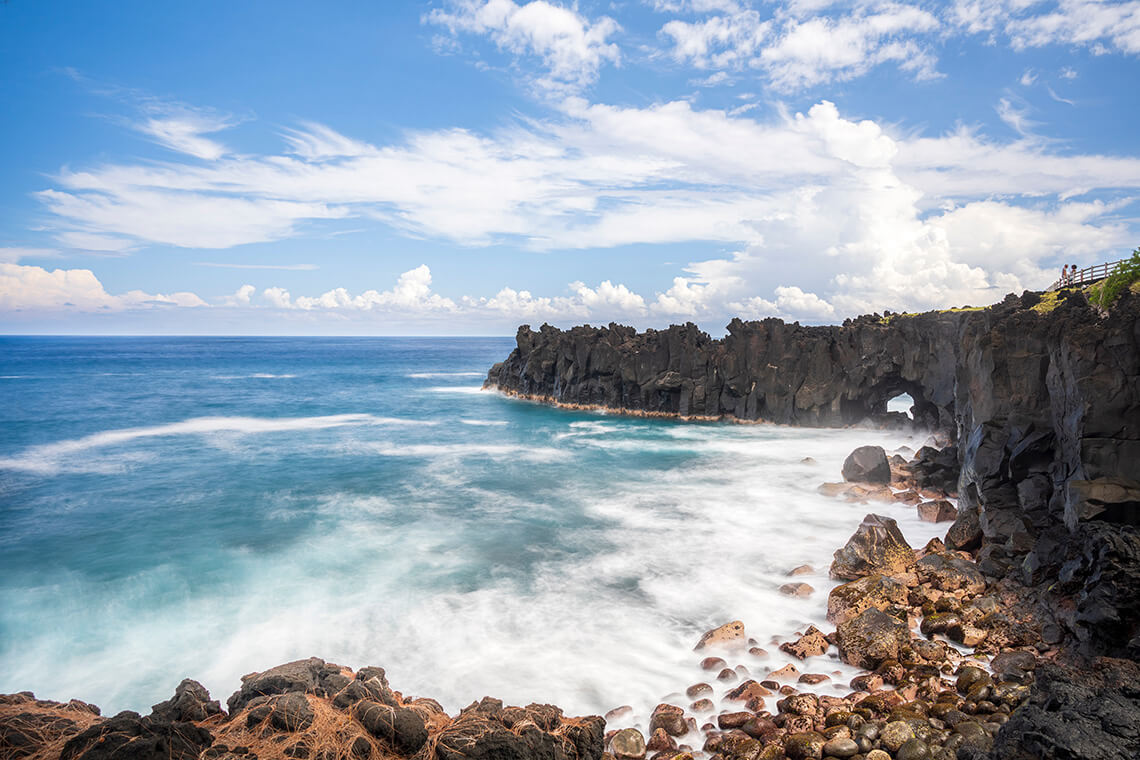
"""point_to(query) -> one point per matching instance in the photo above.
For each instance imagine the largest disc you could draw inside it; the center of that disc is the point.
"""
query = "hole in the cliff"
(901, 403)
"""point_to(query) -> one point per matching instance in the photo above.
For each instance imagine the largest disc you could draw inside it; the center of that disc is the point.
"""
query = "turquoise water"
(206, 507)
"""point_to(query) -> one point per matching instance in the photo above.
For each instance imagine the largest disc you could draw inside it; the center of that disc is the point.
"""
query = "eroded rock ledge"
(1039, 399)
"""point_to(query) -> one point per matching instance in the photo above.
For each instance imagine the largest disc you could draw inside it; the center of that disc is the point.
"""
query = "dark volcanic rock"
(307, 676)
(876, 547)
(867, 464)
(1074, 715)
(401, 727)
(190, 702)
(127, 736)
(1040, 400)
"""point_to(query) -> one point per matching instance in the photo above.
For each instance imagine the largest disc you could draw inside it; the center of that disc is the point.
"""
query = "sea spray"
(540, 555)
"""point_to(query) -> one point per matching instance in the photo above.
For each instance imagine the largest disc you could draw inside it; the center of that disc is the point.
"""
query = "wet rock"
(877, 591)
(966, 532)
(728, 675)
(796, 589)
(729, 636)
(696, 690)
(702, 706)
(746, 691)
(786, 673)
(127, 736)
(913, 749)
(801, 570)
(840, 747)
(628, 744)
(1014, 664)
(895, 734)
(713, 663)
(191, 702)
(730, 720)
(877, 547)
(622, 712)
(948, 572)
(870, 638)
(867, 464)
(812, 644)
(799, 704)
(936, 511)
(812, 679)
(670, 718)
(805, 746)
(660, 741)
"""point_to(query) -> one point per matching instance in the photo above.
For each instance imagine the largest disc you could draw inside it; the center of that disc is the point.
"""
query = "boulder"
(876, 547)
(401, 727)
(812, 644)
(936, 511)
(870, 638)
(128, 736)
(286, 712)
(191, 702)
(306, 676)
(949, 572)
(867, 464)
(878, 591)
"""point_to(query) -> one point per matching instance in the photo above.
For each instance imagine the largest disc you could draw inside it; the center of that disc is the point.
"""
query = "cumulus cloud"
(30, 288)
(1100, 26)
(571, 47)
(846, 210)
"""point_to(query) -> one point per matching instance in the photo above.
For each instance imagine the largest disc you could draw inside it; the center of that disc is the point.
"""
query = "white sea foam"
(458, 389)
(607, 614)
(63, 456)
(255, 376)
(435, 375)
(485, 423)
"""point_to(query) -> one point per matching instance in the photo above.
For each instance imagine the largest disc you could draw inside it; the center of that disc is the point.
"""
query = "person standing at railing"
(1072, 274)
(1064, 275)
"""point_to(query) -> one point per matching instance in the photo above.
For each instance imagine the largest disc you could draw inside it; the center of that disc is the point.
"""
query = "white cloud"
(843, 210)
(13, 255)
(1028, 78)
(1015, 116)
(29, 288)
(571, 46)
(822, 49)
(181, 128)
(1101, 26)
(796, 48)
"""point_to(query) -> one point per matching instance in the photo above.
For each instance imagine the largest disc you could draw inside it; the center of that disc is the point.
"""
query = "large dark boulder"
(311, 676)
(870, 638)
(191, 702)
(867, 464)
(877, 547)
(128, 736)
(401, 727)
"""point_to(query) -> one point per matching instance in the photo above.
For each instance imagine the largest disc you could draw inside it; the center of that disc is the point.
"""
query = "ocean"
(207, 507)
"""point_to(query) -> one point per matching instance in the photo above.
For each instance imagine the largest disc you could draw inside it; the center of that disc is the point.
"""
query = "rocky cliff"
(1040, 399)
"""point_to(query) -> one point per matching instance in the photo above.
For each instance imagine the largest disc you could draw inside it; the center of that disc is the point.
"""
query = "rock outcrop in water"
(1041, 400)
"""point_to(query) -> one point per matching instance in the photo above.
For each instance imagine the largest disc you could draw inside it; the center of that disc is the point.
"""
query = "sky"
(461, 167)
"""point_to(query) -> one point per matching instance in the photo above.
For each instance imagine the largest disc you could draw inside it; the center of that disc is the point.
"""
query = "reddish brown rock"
(713, 663)
(659, 741)
(727, 675)
(746, 691)
(813, 678)
(796, 589)
(670, 718)
(908, 497)
(788, 672)
(702, 706)
(851, 599)
(811, 644)
(936, 511)
(728, 636)
(727, 721)
(757, 652)
(801, 570)
(876, 547)
(697, 690)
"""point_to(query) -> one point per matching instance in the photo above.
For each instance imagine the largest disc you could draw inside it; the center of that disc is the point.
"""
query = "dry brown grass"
(330, 737)
(51, 737)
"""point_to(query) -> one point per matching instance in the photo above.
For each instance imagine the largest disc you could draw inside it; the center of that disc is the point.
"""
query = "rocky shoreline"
(956, 663)
(1027, 612)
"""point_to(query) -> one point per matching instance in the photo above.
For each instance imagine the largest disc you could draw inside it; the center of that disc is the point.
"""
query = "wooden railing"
(1086, 275)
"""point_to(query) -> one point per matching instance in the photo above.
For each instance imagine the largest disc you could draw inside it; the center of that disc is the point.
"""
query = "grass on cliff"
(1126, 275)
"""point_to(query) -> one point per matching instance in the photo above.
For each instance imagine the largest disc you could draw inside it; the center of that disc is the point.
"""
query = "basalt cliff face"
(1041, 406)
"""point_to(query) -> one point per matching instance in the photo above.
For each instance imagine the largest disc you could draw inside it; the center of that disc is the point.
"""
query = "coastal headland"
(1015, 636)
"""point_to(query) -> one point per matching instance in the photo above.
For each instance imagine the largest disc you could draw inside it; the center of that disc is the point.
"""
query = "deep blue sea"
(208, 507)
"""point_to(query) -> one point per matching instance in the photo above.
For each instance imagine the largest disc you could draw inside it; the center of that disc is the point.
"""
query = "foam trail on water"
(434, 375)
(49, 458)
(461, 389)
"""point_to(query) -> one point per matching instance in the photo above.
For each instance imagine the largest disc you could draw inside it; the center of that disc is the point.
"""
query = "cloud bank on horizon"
(669, 160)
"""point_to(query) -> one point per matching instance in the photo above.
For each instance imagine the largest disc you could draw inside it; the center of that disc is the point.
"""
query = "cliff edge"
(1039, 396)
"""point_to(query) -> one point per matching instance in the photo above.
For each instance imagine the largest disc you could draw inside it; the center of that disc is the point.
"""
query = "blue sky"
(465, 166)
